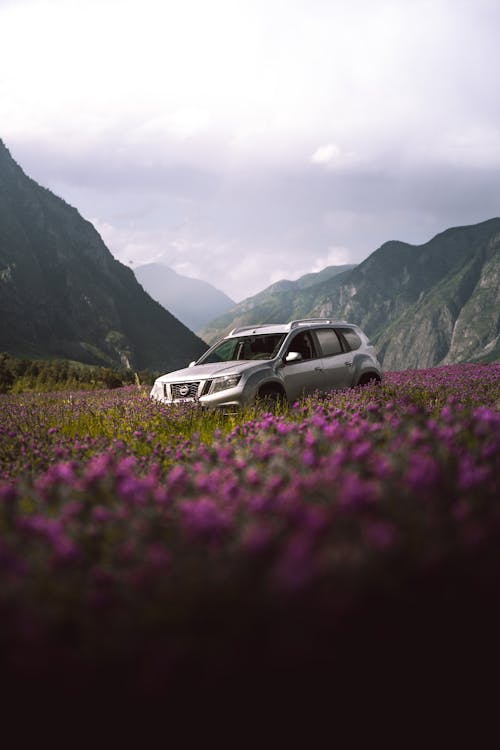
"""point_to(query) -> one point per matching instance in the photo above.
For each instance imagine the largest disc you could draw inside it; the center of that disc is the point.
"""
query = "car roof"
(285, 327)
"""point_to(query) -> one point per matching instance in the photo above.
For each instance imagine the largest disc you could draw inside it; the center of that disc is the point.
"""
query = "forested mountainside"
(63, 295)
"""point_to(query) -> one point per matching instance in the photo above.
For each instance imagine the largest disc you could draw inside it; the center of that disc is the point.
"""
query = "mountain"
(278, 303)
(422, 305)
(192, 301)
(62, 294)
(445, 298)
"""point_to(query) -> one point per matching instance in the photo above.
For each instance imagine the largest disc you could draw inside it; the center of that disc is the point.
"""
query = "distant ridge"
(422, 305)
(62, 294)
(192, 301)
(277, 303)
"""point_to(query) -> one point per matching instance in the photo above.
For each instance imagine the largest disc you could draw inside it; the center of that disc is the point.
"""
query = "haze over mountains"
(192, 301)
(63, 295)
(424, 305)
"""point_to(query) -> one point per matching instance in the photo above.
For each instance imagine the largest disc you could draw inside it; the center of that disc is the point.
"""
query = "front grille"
(184, 390)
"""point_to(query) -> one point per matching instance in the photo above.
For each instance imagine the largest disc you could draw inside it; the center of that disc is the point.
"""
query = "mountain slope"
(192, 301)
(62, 294)
(424, 305)
(436, 328)
(278, 303)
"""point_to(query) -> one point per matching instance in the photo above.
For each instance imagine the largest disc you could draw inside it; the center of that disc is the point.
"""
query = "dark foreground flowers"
(353, 535)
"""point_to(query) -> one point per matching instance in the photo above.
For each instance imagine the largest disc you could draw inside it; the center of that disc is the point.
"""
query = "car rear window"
(352, 338)
(328, 341)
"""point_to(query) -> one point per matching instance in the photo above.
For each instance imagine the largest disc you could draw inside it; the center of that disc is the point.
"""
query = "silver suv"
(272, 363)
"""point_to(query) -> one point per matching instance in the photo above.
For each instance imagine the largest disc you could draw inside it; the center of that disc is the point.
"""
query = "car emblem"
(183, 390)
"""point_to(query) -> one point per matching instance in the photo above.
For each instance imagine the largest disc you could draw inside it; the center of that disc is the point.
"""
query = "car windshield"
(264, 346)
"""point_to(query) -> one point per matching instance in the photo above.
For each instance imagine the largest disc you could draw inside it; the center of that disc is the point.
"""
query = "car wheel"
(368, 378)
(271, 399)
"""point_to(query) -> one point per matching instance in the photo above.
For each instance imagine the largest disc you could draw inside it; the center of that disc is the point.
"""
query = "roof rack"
(253, 328)
(309, 321)
(290, 326)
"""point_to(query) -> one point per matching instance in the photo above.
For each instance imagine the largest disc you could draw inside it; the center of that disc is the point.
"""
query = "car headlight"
(156, 390)
(228, 381)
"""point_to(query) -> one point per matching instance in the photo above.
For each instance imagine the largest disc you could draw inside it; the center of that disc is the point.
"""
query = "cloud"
(331, 156)
(230, 83)
(182, 123)
(244, 141)
(335, 256)
(325, 154)
(244, 239)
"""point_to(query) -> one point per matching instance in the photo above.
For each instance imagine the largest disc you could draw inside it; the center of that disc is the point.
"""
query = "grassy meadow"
(160, 551)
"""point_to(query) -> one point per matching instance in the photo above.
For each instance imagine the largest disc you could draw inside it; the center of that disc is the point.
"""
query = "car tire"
(368, 378)
(270, 398)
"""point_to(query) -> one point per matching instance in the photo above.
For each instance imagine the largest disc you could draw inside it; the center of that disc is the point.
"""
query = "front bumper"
(231, 398)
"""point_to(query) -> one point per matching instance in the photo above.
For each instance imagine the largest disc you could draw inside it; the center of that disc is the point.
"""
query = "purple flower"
(178, 477)
(100, 514)
(361, 451)
(470, 474)
(309, 458)
(253, 477)
(97, 468)
(355, 492)
(423, 472)
(204, 518)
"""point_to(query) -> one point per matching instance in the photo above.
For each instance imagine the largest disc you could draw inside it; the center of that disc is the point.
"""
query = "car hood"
(212, 370)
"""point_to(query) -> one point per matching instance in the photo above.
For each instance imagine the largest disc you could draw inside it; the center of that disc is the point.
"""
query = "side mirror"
(192, 364)
(293, 357)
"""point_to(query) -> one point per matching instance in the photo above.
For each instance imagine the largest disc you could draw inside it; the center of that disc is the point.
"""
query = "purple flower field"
(159, 551)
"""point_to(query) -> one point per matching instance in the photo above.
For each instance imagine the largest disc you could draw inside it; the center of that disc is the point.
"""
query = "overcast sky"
(246, 141)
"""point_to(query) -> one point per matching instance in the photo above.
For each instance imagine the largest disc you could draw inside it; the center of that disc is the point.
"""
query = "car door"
(336, 363)
(306, 375)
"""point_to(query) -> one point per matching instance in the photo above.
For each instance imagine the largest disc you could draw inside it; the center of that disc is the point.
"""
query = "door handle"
(318, 369)
(348, 364)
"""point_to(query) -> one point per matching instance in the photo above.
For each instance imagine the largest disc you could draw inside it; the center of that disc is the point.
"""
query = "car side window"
(329, 342)
(303, 343)
(351, 337)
